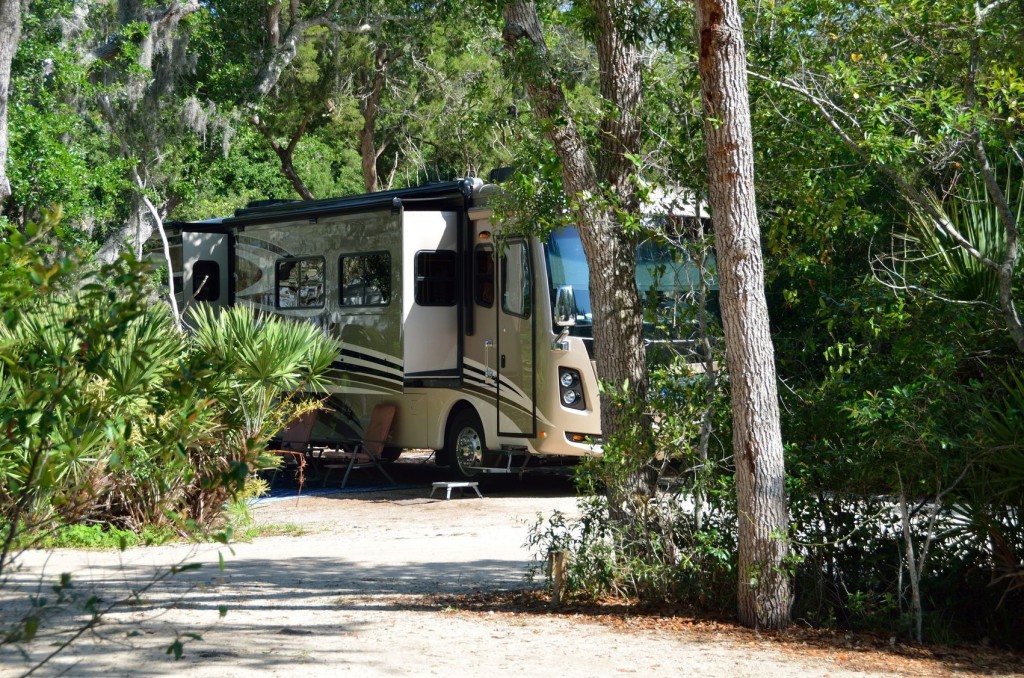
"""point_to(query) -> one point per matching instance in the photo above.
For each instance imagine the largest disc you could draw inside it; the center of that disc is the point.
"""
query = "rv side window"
(435, 278)
(516, 286)
(365, 279)
(300, 283)
(483, 281)
(206, 280)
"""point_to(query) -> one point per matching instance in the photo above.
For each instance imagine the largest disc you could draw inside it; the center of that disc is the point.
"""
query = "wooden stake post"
(556, 565)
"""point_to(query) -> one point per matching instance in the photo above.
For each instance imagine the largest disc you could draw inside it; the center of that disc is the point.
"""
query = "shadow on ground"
(275, 610)
(420, 472)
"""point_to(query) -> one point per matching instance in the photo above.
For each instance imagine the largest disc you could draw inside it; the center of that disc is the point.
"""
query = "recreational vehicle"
(483, 341)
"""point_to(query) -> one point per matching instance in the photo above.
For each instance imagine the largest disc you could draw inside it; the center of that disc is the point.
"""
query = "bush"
(675, 543)
(112, 416)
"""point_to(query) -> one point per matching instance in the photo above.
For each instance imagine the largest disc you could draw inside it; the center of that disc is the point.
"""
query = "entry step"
(449, 485)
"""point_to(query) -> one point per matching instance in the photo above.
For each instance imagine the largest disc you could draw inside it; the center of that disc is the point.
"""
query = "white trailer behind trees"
(483, 341)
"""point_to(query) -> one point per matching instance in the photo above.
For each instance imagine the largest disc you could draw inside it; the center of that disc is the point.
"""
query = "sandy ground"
(353, 596)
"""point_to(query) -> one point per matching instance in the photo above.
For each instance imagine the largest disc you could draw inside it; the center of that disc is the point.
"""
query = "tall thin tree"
(764, 598)
(10, 32)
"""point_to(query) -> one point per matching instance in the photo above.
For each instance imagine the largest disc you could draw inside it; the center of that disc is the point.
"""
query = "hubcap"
(469, 448)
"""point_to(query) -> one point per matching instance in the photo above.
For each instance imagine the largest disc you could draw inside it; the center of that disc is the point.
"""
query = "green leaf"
(31, 628)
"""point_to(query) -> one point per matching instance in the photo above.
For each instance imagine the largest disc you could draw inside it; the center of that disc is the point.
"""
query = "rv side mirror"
(565, 306)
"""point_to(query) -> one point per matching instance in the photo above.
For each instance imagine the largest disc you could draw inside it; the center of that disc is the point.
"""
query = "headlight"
(570, 387)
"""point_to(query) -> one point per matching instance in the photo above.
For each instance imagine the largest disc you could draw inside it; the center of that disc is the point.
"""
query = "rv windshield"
(665, 277)
(568, 266)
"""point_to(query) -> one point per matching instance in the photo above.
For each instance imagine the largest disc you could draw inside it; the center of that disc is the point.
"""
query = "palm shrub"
(59, 333)
(203, 411)
(991, 517)
(947, 266)
(901, 397)
(263, 372)
(108, 414)
(114, 410)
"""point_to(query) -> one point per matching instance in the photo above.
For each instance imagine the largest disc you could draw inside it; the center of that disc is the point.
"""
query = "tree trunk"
(274, 25)
(368, 152)
(764, 598)
(158, 220)
(10, 33)
(368, 155)
(137, 230)
(280, 57)
(1007, 268)
(611, 252)
(284, 47)
(286, 154)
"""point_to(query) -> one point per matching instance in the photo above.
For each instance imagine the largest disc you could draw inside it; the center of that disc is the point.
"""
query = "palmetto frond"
(951, 268)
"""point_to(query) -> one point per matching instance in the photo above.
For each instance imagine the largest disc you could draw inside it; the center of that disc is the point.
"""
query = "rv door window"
(516, 285)
(365, 279)
(483, 282)
(435, 278)
(206, 280)
(300, 283)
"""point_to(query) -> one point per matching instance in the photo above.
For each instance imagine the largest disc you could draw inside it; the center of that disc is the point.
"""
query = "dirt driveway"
(352, 596)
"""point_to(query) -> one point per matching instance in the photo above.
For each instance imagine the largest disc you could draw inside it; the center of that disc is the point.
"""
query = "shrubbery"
(109, 415)
(677, 545)
(850, 562)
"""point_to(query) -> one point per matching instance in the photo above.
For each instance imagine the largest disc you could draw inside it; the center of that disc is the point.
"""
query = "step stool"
(447, 485)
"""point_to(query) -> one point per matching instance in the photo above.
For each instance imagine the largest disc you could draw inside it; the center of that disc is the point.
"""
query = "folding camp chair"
(366, 453)
(294, 445)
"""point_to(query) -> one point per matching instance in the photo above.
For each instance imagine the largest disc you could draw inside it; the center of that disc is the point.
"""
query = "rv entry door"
(517, 414)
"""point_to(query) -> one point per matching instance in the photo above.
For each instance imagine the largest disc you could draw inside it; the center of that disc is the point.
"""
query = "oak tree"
(763, 592)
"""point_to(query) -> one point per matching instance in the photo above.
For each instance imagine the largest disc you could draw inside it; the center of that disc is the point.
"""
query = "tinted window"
(435, 278)
(365, 279)
(300, 283)
(206, 280)
(483, 276)
(516, 282)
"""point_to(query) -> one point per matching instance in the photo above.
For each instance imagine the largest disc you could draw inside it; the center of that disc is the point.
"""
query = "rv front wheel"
(464, 448)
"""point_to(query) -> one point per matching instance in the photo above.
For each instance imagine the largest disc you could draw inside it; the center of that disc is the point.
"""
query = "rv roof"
(440, 194)
(460, 190)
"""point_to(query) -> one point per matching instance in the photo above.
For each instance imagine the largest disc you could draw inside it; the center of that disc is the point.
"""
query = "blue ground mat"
(282, 493)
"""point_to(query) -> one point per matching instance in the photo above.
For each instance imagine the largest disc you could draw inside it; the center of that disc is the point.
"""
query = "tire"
(391, 454)
(464, 446)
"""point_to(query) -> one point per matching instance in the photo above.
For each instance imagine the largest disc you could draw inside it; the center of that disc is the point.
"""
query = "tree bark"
(10, 33)
(286, 154)
(591, 188)
(284, 47)
(136, 231)
(764, 598)
(622, 85)
(274, 25)
(368, 152)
